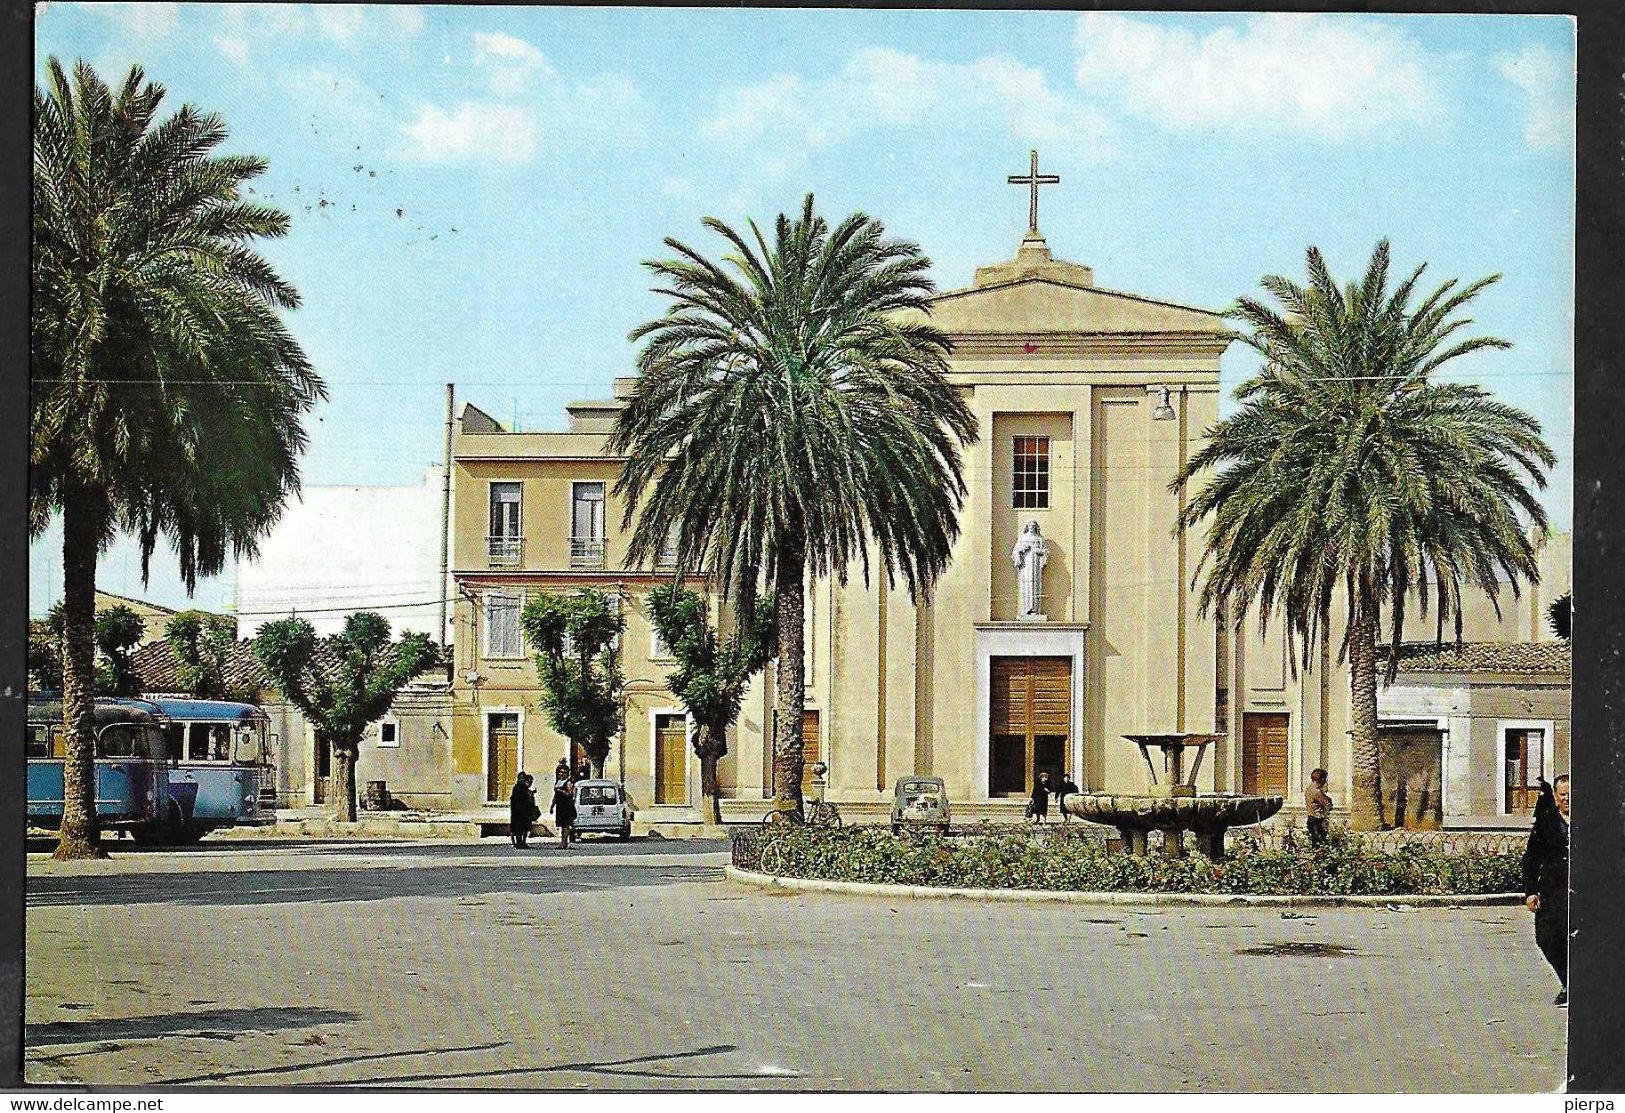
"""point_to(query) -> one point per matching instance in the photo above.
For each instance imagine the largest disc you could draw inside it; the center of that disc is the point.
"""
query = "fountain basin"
(1208, 816)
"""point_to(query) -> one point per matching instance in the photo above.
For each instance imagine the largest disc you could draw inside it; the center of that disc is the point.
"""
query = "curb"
(1056, 896)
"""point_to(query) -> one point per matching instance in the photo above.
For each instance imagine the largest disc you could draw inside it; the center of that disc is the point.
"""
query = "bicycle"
(816, 812)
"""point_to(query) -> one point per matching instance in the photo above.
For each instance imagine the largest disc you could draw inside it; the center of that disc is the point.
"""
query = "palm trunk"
(82, 519)
(790, 697)
(344, 756)
(709, 751)
(1365, 804)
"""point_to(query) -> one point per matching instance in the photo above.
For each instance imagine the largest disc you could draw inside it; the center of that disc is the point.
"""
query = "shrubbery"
(1063, 859)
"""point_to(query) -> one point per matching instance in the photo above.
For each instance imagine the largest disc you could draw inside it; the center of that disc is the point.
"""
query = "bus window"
(250, 748)
(120, 740)
(175, 740)
(129, 740)
(209, 742)
(39, 741)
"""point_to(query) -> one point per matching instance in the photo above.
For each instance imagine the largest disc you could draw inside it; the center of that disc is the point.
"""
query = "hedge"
(1060, 859)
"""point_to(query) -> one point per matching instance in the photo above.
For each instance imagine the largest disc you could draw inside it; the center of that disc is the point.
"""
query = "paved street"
(636, 966)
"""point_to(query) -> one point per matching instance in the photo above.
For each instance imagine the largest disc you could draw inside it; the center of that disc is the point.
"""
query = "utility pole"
(445, 519)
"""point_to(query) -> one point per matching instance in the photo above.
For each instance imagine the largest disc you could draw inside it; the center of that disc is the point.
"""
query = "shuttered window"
(502, 635)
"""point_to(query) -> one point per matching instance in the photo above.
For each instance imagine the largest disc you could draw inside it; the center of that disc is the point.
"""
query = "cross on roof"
(1033, 179)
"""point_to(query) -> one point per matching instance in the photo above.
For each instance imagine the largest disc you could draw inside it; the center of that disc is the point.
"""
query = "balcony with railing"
(504, 552)
(586, 552)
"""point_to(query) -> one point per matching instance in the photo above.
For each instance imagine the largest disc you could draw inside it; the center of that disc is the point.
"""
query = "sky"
(473, 190)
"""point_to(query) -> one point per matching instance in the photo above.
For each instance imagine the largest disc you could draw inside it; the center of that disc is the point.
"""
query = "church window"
(1030, 475)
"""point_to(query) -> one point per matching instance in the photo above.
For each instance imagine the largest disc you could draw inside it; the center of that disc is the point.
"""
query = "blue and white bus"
(132, 763)
(222, 759)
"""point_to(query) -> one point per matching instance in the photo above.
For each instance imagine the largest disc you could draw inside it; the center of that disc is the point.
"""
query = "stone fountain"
(1171, 803)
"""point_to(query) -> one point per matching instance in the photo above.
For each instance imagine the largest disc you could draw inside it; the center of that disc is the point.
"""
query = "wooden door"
(811, 753)
(1410, 771)
(671, 759)
(1264, 754)
(323, 770)
(1030, 721)
(502, 754)
(1525, 756)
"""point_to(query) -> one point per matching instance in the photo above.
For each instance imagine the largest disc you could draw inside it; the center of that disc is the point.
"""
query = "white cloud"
(476, 129)
(512, 66)
(524, 89)
(340, 95)
(247, 28)
(340, 22)
(234, 47)
(406, 19)
(1546, 80)
(880, 87)
(1331, 76)
(143, 21)
(498, 45)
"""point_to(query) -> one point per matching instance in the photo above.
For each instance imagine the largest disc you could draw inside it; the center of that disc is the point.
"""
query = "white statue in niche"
(1030, 555)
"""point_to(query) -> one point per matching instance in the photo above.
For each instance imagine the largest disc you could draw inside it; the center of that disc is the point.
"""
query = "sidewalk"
(467, 826)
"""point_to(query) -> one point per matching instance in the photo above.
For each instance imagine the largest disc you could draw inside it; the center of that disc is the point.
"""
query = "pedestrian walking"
(1319, 806)
(1546, 878)
(1038, 806)
(563, 805)
(522, 810)
(1066, 788)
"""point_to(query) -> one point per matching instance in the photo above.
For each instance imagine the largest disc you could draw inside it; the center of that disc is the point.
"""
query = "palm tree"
(167, 394)
(1349, 473)
(791, 410)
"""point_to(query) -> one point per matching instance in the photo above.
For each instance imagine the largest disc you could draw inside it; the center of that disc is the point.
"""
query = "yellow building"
(1089, 402)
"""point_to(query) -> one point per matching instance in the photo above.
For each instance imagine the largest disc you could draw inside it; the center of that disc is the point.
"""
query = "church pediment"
(1036, 304)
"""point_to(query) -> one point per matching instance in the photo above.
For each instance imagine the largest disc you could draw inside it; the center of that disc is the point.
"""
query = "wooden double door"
(1030, 722)
(1264, 738)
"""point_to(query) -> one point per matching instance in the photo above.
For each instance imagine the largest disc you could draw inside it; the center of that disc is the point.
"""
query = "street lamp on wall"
(1165, 408)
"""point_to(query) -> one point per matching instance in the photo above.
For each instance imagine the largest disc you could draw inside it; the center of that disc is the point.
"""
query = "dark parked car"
(919, 802)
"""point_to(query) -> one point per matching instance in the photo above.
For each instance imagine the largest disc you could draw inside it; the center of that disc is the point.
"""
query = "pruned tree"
(1560, 613)
(45, 652)
(576, 640)
(712, 670)
(342, 684)
(118, 632)
(201, 643)
(115, 634)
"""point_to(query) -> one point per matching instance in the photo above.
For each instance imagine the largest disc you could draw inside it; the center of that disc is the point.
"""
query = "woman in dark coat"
(521, 803)
(522, 810)
(1038, 806)
(1546, 878)
(563, 806)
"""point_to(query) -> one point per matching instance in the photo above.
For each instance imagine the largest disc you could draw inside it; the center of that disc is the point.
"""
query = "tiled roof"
(155, 664)
(1494, 657)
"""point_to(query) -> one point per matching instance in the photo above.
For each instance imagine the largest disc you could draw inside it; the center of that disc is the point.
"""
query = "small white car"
(603, 807)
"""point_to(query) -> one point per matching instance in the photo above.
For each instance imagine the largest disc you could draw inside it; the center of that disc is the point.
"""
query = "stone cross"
(1033, 179)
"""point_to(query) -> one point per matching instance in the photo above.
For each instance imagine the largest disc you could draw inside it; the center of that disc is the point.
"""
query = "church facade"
(1066, 619)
